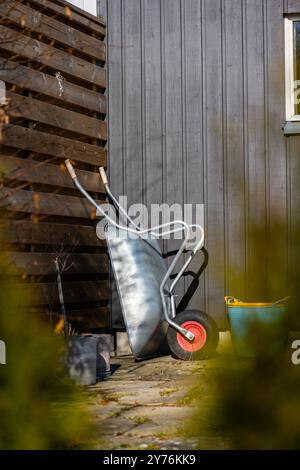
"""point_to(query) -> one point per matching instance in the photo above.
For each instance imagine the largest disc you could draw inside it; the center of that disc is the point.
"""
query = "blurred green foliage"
(250, 404)
(258, 403)
(40, 408)
(255, 401)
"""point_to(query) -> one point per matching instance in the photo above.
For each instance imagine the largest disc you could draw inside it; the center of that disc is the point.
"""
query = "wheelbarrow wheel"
(206, 336)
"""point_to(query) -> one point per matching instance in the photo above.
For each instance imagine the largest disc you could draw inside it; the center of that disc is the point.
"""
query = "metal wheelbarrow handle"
(103, 176)
(159, 232)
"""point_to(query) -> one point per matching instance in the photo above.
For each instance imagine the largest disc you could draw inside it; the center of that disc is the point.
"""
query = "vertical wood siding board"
(235, 147)
(134, 173)
(265, 167)
(295, 197)
(173, 177)
(115, 96)
(194, 102)
(184, 129)
(204, 144)
(277, 161)
(163, 105)
(293, 207)
(174, 102)
(289, 213)
(267, 136)
(164, 108)
(195, 154)
(291, 252)
(193, 129)
(246, 140)
(294, 145)
(295, 191)
(103, 11)
(224, 148)
(256, 144)
(292, 6)
(288, 197)
(215, 201)
(266, 145)
(153, 96)
(143, 102)
(289, 218)
(289, 206)
(124, 98)
(285, 6)
(116, 121)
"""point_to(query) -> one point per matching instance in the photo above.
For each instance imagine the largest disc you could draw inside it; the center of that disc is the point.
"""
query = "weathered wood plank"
(77, 19)
(83, 319)
(81, 12)
(74, 292)
(23, 46)
(21, 169)
(39, 111)
(89, 318)
(47, 85)
(68, 33)
(24, 16)
(81, 17)
(37, 264)
(52, 145)
(44, 203)
(41, 233)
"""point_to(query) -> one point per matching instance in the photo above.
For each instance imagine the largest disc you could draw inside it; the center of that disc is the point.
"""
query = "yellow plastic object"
(233, 302)
(269, 320)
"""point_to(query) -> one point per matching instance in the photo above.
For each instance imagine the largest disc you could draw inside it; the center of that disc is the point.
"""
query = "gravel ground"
(150, 404)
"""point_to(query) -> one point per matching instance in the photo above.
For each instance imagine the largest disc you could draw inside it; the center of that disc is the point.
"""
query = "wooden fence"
(52, 60)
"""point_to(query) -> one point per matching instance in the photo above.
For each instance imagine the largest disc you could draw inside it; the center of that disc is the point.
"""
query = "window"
(87, 5)
(292, 68)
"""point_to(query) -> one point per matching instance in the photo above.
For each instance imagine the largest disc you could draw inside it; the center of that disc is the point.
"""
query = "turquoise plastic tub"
(258, 327)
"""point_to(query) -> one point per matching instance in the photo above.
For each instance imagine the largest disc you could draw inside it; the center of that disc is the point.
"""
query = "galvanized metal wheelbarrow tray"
(143, 280)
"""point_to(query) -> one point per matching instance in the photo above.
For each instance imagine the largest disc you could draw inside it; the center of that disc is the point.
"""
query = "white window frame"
(290, 88)
(87, 5)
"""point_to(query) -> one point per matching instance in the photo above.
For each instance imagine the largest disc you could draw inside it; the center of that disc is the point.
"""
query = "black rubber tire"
(210, 346)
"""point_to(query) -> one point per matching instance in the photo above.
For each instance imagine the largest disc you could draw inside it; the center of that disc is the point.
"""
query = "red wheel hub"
(200, 336)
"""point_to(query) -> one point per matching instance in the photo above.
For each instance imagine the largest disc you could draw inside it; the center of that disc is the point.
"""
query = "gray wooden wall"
(196, 105)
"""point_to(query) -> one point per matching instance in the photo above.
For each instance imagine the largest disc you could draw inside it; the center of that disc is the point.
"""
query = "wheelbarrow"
(146, 285)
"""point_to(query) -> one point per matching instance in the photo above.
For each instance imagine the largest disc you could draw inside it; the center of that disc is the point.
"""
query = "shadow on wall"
(193, 286)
